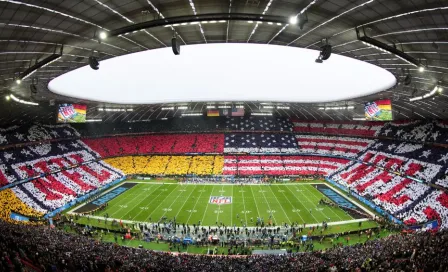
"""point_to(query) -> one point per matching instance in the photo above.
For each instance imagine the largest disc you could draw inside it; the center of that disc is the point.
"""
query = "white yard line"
(160, 202)
(281, 206)
(149, 204)
(206, 207)
(258, 211)
(269, 207)
(231, 209)
(287, 198)
(177, 214)
(219, 208)
(172, 202)
(244, 205)
(135, 206)
(304, 206)
(197, 200)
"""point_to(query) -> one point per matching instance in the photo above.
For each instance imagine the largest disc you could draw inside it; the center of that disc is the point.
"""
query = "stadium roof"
(33, 30)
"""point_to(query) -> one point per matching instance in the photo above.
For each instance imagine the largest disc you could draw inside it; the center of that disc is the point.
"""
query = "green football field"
(188, 203)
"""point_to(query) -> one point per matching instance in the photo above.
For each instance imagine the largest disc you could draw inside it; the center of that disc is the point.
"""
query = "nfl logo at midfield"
(220, 200)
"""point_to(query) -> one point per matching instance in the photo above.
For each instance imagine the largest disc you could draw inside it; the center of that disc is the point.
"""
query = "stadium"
(205, 135)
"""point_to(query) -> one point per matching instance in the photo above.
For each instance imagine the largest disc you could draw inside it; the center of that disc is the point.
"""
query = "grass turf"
(287, 203)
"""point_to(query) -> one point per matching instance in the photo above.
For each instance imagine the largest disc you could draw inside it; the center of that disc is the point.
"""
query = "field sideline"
(190, 204)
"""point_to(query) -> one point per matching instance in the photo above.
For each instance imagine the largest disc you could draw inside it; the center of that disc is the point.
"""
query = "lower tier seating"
(10, 203)
(406, 199)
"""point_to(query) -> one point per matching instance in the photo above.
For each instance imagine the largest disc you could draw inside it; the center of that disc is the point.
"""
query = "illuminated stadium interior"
(256, 135)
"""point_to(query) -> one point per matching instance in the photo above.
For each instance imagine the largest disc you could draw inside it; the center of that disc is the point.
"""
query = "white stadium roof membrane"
(224, 72)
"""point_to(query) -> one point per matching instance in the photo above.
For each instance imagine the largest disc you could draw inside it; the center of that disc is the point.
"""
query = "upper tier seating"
(332, 145)
(419, 131)
(153, 144)
(33, 133)
(370, 129)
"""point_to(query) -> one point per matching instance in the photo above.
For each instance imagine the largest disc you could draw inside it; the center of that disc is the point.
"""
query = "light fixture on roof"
(325, 52)
(361, 34)
(93, 62)
(103, 35)
(303, 19)
(293, 20)
(421, 69)
(440, 90)
(41, 64)
(8, 98)
(175, 45)
(408, 79)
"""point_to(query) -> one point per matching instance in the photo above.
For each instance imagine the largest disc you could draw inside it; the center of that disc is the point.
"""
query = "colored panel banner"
(19, 217)
(237, 112)
(72, 113)
(213, 113)
(380, 110)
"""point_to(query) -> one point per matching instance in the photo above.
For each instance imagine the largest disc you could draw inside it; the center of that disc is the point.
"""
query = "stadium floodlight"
(421, 69)
(293, 20)
(440, 90)
(18, 81)
(8, 98)
(103, 35)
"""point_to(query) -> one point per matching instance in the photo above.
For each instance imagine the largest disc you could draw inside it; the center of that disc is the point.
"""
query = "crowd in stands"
(49, 249)
(57, 176)
(369, 129)
(54, 190)
(168, 165)
(10, 203)
(19, 134)
(425, 163)
(395, 187)
(281, 165)
(153, 144)
(382, 178)
(332, 145)
(417, 131)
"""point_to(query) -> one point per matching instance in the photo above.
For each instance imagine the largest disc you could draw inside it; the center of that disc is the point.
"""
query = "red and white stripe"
(339, 128)
(329, 145)
(277, 166)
